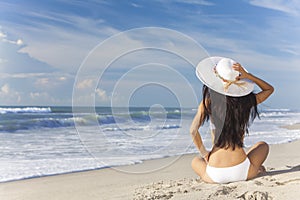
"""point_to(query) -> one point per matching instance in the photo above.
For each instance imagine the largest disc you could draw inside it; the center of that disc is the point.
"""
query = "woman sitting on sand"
(230, 104)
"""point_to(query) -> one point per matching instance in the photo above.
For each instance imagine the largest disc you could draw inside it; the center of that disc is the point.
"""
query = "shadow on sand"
(276, 172)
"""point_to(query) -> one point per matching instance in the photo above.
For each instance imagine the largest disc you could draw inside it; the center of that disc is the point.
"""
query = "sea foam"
(4, 110)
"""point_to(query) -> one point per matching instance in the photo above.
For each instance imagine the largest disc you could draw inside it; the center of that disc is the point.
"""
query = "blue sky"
(44, 43)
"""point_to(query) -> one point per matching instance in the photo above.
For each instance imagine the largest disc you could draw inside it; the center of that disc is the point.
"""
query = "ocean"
(43, 141)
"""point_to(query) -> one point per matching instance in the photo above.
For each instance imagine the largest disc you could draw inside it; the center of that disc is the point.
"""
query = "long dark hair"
(231, 116)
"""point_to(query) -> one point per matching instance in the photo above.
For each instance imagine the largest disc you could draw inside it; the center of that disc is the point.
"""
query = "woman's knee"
(260, 145)
(199, 166)
(263, 145)
(195, 162)
(258, 153)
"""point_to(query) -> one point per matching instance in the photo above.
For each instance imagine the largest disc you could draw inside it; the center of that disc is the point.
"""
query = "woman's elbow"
(193, 131)
(272, 89)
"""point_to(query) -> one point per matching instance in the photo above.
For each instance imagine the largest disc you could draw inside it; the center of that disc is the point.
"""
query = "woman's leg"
(199, 166)
(257, 154)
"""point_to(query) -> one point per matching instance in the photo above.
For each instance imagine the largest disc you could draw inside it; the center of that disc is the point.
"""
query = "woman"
(230, 105)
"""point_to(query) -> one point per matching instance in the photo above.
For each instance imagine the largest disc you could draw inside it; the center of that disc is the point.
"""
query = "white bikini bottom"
(235, 173)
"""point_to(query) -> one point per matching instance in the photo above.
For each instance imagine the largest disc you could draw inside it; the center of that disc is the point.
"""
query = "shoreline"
(173, 179)
(119, 167)
(295, 126)
(174, 157)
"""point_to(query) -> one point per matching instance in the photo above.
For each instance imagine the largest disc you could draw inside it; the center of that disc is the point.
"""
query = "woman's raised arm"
(266, 88)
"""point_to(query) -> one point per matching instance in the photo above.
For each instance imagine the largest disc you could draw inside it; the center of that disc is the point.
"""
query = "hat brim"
(205, 72)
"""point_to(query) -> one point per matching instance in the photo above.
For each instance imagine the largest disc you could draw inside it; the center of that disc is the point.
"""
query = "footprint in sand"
(258, 183)
(223, 192)
(256, 195)
(166, 189)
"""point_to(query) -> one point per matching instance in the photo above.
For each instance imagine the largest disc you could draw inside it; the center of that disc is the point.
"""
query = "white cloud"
(36, 88)
(136, 5)
(21, 75)
(197, 2)
(2, 35)
(9, 96)
(43, 98)
(85, 92)
(62, 78)
(59, 46)
(2, 60)
(40, 95)
(291, 51)
(291, 7)
(18, 42)
(84, 84)
(101, 94)
(42, 82)
(5, 89)
(67, 49)
(14, 61)
(51, 81)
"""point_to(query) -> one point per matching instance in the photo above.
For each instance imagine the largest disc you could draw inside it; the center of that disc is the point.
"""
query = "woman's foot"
(261, 170)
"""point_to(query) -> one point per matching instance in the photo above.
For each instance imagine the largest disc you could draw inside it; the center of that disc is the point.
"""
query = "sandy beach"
(293, 126)
(174, 181)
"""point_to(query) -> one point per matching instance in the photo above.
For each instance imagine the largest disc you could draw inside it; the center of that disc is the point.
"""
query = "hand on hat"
(238, 67)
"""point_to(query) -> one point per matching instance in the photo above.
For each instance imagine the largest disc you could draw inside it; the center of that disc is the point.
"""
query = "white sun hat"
(217, 74)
